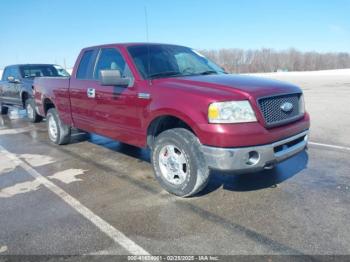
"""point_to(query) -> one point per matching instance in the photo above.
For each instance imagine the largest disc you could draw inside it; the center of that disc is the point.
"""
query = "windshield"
(31, 71)
(158, 61)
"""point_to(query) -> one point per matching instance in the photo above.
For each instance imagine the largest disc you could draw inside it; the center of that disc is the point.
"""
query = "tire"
(32, 115)
(177, 151)
(58, 132)
(4, 109)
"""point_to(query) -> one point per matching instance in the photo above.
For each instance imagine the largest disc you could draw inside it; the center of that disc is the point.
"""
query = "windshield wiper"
(164, 74)
(208, 72)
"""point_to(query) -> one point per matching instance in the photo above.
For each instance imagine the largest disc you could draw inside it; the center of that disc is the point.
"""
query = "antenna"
(146, 24)
(148, 46)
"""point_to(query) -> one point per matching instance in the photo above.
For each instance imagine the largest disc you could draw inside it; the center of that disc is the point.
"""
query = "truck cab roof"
(128, 44)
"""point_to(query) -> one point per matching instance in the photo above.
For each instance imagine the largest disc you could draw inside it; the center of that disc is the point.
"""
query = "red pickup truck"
(188, 111)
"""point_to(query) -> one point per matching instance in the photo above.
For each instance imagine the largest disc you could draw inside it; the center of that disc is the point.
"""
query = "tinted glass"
(31, 71)
(11, 71)
(111, 59)
(154, 61)
(61, 71)
(86, 65)
(6, 73)
(15, 72)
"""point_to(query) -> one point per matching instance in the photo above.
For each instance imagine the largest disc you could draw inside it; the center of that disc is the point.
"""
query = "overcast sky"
(48, 31)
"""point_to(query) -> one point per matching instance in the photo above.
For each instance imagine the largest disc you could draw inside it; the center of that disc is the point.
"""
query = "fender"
(171, 112)
(43, 98)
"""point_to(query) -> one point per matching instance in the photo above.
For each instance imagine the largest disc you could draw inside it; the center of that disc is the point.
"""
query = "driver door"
(116, 111)
(15, 87)
(10, 87)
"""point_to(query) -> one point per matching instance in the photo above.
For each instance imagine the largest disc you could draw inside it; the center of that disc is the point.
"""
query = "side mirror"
(11, 79)
(113, 78)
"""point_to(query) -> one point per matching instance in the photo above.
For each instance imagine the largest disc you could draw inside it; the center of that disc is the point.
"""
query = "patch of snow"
(6, 165)
(337, 72)
(68, 176)
(3, 249)
(20, 188)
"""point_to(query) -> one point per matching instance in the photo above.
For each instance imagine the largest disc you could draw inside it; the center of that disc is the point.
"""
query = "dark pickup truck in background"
(191, 114)
(16, 86)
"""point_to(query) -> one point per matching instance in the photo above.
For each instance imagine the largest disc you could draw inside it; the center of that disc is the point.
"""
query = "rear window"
(31, 71)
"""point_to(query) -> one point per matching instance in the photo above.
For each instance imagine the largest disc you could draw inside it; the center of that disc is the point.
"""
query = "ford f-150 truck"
(192, 115)
(16, 86)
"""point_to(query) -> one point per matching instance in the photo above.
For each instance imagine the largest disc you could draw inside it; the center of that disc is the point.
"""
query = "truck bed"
(53, 89)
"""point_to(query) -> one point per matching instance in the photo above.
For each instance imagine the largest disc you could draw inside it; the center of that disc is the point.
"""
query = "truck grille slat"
(272, 112)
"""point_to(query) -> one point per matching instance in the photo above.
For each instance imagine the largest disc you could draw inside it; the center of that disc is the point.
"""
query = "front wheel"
(59, 133)
(4, 109)
(178, 163)
(32, 115)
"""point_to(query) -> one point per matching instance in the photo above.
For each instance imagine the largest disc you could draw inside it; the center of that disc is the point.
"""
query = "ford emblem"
(286, 107)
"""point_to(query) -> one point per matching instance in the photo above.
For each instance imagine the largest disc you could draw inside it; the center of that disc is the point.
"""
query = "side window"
(111, 59)
(15, 73)
(11, 71)
(86, 65)
(6, 74)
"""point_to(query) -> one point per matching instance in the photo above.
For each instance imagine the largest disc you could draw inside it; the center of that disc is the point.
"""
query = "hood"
(28, 80)
(251, 86)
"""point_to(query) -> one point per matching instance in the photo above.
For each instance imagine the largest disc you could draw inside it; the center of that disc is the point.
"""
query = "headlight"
(231, 112)
(302, 104)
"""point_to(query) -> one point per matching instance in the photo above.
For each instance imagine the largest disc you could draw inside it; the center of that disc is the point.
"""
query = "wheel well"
(162, 123)
(47, 105)
(25, 96)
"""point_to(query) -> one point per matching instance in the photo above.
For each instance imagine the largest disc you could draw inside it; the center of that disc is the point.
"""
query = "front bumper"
(255, 158)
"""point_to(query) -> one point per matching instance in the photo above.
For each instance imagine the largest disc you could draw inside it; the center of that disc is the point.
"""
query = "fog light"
(253, 158)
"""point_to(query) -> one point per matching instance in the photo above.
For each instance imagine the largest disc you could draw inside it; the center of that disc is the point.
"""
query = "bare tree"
(270, 60)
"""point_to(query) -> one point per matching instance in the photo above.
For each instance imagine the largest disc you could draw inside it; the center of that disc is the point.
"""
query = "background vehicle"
(191, 114)
(16, 86)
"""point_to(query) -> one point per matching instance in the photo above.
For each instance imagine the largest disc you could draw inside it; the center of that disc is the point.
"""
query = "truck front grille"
(272, 109)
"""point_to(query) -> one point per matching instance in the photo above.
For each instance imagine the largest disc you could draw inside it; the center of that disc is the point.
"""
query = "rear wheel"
(4, 109)
(31, 112)
(59, 133)
(178, 162)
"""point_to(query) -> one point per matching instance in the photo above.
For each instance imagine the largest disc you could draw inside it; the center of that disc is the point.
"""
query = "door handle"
(144, 95)
(91, 92)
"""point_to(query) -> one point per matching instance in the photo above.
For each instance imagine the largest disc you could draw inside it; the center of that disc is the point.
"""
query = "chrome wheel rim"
(174, 165)
(52, 127)
(30, 111)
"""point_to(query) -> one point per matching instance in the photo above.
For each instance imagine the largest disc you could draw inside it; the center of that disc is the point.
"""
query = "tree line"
(269, 60)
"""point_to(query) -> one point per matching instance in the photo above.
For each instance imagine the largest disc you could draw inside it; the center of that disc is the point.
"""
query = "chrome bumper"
(255, 158)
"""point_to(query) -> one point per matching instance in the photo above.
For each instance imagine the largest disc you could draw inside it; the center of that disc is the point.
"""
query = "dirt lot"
(97, 196)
